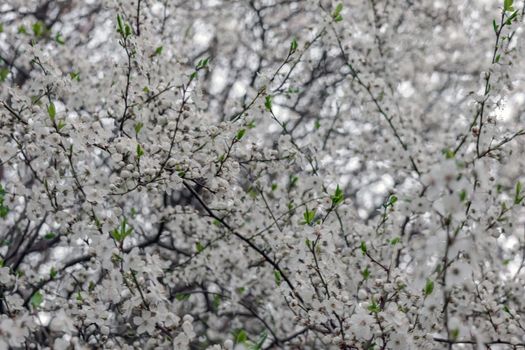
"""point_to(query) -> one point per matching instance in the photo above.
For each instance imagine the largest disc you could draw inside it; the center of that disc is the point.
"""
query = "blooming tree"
(262, 174)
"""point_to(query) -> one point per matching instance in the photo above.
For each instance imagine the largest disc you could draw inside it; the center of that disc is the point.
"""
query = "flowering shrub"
(262, 174)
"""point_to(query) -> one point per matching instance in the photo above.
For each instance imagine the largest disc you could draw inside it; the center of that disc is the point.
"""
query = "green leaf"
(393, 200)
(374, 307)
(61, 124)
(53, 273)
(119, 234)
(429, 287)
(507, 5)
(203, 63)
(293, 180)
(4, 210)
(365, 273)
(293, 46)
(517, 195)
(74, 76)
(22, 29)
(37, 299)
(268, 103)
(309, 216)
(240, 134)
(395, 241)
(317, 124)
(511, 17)
(51, 110)
(127, 30)
(199, 247)
(364, 249)
(336, 15)
(278, 278)
(140, 151)
(138, 126)
(4, 72)
(454, 333)
(120, 25)
(274, 186)
(462, 195)
(260, 342)
(158, 50)
(38, 29)
(337, 197)
(182, 296)
(59, 39)
(308, 243)
(49, 235)
(216, 302)
(239, 336)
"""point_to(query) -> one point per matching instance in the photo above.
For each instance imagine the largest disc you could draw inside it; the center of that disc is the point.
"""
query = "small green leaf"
(260, 342)
(395, 241)
(309, 216)
(364, 249)
(512, 17)
(429, 287)
(337, 197)
(203, 63)
(374, 307)
(4, 72)
(308, 243)
(336, 15)
(293, 180)
(119, 234)
(51, 110)
(59, 39)
(317, 124)
(37, 299)
(74, 76)
(454, 333)
(240, 134)
(293, 46)
(277, 276)
(462, 195)
(182, 296)
(61, 124)
(140, 151)
(158, 50)
(239, 336)
(393, 200)
(268, 103)
(199, 247)
(38, 29)
(53, 273)
(127, 30)
(120, 25)
(517, 195)
(216, 302)
(495, 26)
(365, 273)
(49, 235)
(274, 186)
(138, 126)
(507, 5)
